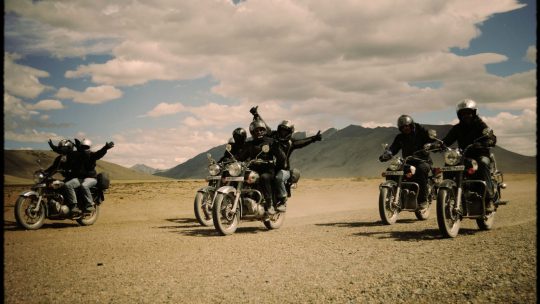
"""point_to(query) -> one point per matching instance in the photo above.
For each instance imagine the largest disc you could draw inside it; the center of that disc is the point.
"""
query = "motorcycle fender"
(29, 193)
(388, 184)
(448, 184)
(206, 189)
(227, 190)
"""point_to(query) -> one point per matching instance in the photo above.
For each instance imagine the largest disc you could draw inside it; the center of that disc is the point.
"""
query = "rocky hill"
(349, 152)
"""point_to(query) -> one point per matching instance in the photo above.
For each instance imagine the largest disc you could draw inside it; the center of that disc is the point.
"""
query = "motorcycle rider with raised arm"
(267, 171)
(465, 132)
(84, 173)
(411, 139)
(283, 135)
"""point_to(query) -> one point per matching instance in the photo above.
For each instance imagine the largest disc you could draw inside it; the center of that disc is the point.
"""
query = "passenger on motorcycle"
(237, 143)
(469, 128)
(412, 139)
(61, 162)
(83, 173)
(266, 171)
(283, 135)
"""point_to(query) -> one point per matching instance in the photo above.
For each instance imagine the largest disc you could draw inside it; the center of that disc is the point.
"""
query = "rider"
(469, 128)
(411, 141)
(283, 135)
(84, 173)
(252, 149)
(62, 161)
(237, 143)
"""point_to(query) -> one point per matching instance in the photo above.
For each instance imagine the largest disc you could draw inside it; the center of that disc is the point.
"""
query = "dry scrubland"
(146, 247)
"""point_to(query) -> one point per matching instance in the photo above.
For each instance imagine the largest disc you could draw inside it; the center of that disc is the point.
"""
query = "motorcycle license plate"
(234, 179)
(394, 173)
(215, 177)
(453, 168)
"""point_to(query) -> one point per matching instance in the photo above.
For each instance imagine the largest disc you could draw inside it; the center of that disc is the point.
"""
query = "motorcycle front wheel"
(203, 208)
(26, 215)
(387, 212)
(225, 219)
(448, 219)
(275, 221)
(89, 219)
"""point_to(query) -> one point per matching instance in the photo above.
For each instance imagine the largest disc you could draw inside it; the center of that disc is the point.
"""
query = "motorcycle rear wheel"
(25, 217)
(203, 208)
(486, 223)
(225, 220)
(275, 221)
(90, 219)
(387, 212)
(448, 220)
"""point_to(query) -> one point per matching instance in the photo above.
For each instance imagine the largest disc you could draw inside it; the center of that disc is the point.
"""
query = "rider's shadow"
(352, 224)
(186, 227)
(416, 235)
(12, 226)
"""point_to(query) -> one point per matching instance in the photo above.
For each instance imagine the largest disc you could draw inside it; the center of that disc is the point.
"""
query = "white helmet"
(466, 104)
(86, 143)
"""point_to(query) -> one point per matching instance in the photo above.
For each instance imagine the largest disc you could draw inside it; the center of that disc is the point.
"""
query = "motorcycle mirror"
(432, 133)
(209, 156)
(384, 146)
(265, 148)
(228, 147)
(487, 131)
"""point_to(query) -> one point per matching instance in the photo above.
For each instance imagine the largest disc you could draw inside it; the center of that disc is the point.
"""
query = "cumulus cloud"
(531, 54)
(515, 132)
(47, 104)
(91, 95)
(22, 81)
(164, 108)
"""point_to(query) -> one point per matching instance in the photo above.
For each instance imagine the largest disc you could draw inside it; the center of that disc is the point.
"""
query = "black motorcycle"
(46, 199)
(400, 193)
(202, 204)
(462, 194)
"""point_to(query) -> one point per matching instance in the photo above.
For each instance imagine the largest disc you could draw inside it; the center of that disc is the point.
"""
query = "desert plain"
(147, 247)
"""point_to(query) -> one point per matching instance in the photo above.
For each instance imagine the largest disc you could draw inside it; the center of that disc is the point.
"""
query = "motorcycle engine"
(252, 207)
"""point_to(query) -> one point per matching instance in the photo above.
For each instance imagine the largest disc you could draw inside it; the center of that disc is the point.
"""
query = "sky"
(166, 80)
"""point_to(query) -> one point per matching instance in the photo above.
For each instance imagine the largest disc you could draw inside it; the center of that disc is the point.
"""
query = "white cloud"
(91, 95)
(164, 108)
(531, 54)
(46, 104)
(20, 80)
(516, 133)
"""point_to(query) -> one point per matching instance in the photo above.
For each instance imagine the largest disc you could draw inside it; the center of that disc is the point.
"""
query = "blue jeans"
(281, 178)
(86, 184)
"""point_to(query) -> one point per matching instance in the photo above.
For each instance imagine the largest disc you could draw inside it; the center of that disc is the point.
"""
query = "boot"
(75, 210)
(282, 204)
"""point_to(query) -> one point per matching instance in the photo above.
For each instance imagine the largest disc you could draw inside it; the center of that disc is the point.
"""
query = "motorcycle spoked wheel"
(89, 219)
(275, 221)
(225, 219)
(448, 220)
(25, 216)
(203, 208)
(388, 213)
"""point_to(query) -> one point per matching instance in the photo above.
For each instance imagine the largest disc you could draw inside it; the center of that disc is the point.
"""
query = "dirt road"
(146, 247)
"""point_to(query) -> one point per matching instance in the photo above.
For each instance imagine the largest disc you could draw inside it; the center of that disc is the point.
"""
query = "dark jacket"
(466, 134)
(236, 151)
(288, 146)
(253, 147)
(85, 162)
(413, 142)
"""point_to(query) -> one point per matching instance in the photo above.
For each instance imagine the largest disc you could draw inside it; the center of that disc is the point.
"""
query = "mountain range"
(349, 152)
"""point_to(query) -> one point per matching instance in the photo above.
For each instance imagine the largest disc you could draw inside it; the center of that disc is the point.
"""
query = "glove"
(253, 111)
(318, 136)
(53, 147)
(109, 145)
(387, 155)
(478, 145)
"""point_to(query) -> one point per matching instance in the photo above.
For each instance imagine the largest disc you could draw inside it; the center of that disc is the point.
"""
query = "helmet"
(285, 129)
(404, 120)
(239, 135)
(256, 125)
(65, 146)
(86, 144)
(466, 104)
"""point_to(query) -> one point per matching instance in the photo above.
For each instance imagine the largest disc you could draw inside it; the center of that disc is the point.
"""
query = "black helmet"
(65, 146)
(256, 125)
(285, 129)
(239, 135)
(404, 120)
(466, 104)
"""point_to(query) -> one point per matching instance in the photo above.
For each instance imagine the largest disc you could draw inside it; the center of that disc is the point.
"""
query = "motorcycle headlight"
(452, 157)
(214, 169)
(234, 169)
(395, 164)
(38, 176)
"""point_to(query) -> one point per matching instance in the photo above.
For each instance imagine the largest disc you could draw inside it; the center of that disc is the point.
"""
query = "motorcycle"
(241, 198)
(46, 200)
(205, 195)
(462, 194)
(400, 193)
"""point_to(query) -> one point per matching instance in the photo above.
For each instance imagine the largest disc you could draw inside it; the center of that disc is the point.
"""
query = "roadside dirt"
(147, 247)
